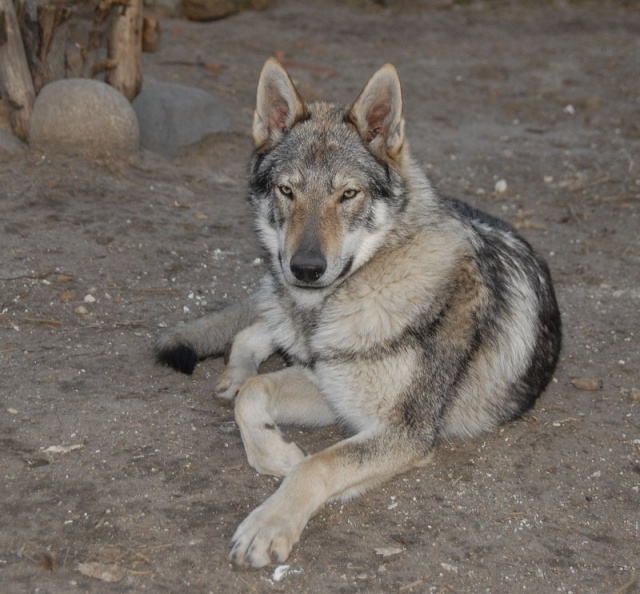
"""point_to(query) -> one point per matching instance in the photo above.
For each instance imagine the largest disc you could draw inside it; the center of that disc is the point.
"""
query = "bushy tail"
(185, 344)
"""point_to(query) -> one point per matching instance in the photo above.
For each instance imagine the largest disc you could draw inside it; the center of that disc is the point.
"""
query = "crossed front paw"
(263, 538)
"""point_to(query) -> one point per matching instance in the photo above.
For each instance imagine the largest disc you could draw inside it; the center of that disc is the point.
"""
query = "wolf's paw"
(179, 356)
(230, 382)
(263, 538)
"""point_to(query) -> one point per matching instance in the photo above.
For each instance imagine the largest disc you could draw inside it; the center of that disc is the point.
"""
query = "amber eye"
(349, 194)
(286, 191)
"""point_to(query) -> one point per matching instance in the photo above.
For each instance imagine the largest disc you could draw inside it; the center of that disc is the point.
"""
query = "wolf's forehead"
(325, 165)
(327, 126)
(326, 152)
(323, 179)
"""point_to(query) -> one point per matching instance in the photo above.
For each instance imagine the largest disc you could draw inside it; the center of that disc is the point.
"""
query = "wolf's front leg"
(350, 467)
(288, 396)
(250, 348)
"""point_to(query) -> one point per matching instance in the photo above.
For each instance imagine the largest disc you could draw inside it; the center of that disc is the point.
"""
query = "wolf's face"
(324, 181)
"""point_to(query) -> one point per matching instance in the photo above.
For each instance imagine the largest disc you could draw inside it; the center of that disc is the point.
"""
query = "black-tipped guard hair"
(182, 358)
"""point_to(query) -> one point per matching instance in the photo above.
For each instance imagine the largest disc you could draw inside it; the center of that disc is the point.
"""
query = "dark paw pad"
(182, 358)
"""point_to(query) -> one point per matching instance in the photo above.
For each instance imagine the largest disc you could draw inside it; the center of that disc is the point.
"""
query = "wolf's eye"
(348, 195)
(286, 191)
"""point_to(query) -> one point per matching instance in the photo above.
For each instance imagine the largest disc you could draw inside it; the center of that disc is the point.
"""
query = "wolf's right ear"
(278, 105)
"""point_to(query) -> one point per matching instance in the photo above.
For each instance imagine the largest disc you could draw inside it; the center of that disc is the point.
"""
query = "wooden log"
(150, 34)
(15, 77)
(125, 49)
(94, 61)
(52, 43)
(44, 38)
(27, 17)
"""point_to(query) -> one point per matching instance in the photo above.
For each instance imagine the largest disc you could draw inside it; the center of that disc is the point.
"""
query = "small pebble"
(282, 571)
(12, 411)
(586, 383)
(89, 299)
(388, 551)
(81, 310)
(67, 296)
(501, 186)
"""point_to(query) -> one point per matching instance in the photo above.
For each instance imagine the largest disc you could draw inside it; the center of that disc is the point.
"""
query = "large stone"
(163, 8)
(173, 117)
(10, 145)
(83, 116)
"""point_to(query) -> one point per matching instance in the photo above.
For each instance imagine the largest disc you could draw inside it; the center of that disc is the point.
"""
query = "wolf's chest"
(362, 383)
(290, 333)
(368, 392)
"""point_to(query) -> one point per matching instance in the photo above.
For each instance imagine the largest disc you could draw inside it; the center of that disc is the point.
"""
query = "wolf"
(405, 316)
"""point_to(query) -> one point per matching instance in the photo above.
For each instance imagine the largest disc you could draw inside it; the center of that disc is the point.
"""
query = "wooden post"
(43, 37)
(125, 49)
(150, 34)
(52, 42)
(15, 78)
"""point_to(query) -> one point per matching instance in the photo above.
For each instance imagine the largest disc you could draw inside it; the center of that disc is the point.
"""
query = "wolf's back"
(519, 330)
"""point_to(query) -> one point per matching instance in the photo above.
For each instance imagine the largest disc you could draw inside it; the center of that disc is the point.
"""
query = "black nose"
(308, 266)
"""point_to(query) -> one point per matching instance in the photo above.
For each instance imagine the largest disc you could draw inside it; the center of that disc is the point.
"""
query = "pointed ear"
(377, 113)
(278, 105)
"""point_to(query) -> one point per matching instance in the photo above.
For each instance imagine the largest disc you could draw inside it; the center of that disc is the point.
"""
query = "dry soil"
(121, 476)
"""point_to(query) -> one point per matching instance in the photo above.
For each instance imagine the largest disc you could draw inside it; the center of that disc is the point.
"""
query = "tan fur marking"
(387, 297)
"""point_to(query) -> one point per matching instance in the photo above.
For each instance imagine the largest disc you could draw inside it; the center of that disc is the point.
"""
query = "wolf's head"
(326, 182)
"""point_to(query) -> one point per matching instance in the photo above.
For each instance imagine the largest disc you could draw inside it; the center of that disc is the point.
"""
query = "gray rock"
(173, 117)
(164, 8)
(83, 116)
(10, 145)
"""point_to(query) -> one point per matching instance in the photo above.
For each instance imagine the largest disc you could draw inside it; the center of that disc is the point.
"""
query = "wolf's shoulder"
(487, 233)
(474, 216)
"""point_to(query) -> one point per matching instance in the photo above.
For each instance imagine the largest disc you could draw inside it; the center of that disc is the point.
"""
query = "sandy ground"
(118, 475)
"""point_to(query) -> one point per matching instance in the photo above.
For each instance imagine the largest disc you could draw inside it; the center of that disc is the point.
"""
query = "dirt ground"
(119, 475)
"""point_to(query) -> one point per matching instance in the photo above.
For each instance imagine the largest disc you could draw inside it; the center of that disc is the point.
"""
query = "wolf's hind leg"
(250, 348)
(288, 397)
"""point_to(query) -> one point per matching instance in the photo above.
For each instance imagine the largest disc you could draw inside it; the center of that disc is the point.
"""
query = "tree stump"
(125, 49)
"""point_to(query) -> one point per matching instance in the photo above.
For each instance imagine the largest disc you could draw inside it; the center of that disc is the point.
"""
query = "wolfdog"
(406, 317)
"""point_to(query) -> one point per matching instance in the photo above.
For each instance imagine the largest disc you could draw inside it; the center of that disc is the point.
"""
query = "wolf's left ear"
(377, 113)
(278, 105)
